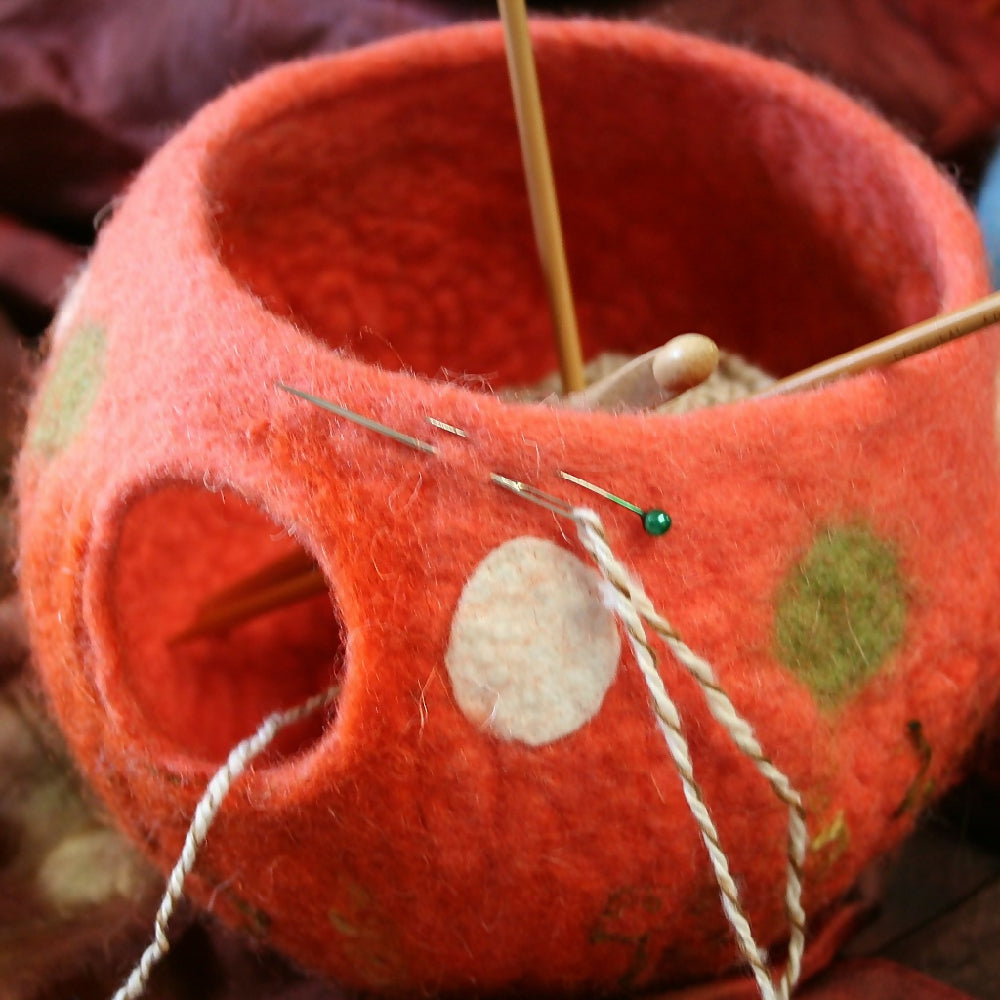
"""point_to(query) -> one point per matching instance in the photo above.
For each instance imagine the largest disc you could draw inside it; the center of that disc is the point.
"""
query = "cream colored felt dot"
(533, 648)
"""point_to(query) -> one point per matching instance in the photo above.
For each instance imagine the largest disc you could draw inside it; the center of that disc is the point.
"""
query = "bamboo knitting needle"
(915, 339)
(218, 613)
(542, 190)
(278, 571)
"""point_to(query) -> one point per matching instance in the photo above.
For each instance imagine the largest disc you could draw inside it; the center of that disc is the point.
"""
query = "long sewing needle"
(542, 190)
(357, 418)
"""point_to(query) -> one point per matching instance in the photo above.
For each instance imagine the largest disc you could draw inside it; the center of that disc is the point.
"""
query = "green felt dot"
(69, 390)
(841, 612)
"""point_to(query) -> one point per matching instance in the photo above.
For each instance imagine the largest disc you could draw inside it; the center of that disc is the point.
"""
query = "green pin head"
(654, 521)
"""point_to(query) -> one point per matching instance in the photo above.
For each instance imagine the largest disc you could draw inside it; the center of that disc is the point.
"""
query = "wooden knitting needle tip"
(542, 190)
(684, 362)
(911, 340)
(654, 377)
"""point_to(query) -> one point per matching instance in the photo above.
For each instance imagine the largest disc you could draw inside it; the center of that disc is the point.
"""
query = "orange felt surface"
(357, 227)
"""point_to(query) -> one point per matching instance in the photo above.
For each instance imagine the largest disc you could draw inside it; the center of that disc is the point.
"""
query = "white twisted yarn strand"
(740, 731)
(632, 605)
(670, 725)
(240, 757)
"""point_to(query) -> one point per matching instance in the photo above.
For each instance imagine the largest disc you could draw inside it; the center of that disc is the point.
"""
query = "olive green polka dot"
(841, 612)
(69, 390)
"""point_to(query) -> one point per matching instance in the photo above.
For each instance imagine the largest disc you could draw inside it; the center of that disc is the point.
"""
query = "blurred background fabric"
(89, 88)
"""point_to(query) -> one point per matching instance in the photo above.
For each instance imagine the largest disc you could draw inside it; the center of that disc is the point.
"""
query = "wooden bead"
(685, 361)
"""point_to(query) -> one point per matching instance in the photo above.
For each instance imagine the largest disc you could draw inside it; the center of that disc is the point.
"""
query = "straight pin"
(361, 421)
(654, 521)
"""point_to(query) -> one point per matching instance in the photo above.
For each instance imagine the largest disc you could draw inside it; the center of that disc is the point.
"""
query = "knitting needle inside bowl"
(278, 584)
(643, 383)
(905, 343)
(542, 190)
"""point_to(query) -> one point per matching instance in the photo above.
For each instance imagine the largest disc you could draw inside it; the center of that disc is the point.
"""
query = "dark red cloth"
(88, 88)
(876, 979)
(930, 65)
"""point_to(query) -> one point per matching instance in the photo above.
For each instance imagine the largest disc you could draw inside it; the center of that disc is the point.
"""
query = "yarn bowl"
(490, 804)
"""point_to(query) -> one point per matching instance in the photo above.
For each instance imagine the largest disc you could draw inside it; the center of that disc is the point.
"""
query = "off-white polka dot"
(533, 649)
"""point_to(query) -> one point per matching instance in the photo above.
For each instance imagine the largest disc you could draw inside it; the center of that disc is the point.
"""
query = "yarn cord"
(240, 758)
(630, 603)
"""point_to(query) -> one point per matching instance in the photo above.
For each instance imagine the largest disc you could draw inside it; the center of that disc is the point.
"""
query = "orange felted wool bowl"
(490, 803)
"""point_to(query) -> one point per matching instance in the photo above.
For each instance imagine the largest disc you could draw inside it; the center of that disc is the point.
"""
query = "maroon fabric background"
(88, 88)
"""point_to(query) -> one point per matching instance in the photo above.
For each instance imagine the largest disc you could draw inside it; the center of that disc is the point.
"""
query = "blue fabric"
(988, 209)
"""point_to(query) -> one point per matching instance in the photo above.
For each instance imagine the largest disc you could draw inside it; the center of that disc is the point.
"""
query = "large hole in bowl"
(391, 218)
(179, 546)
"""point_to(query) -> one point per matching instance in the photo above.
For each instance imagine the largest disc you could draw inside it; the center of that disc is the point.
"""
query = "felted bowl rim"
(251, 106)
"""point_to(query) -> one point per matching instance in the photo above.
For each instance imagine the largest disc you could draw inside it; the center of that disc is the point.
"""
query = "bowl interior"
(700, 190)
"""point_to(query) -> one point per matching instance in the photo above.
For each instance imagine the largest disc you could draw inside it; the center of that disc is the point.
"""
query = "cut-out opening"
(179, 546)
(391, 218)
